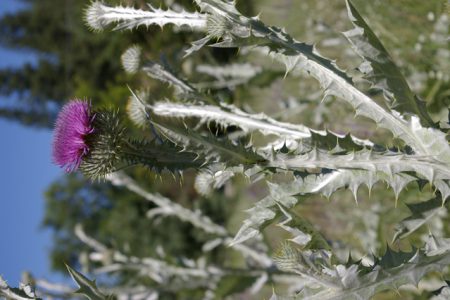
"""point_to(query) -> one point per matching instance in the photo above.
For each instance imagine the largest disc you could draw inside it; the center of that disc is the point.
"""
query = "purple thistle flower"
(74, 122)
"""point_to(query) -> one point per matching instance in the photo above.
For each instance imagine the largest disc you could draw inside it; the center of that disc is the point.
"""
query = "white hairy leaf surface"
(98, 16)
(380, 69)
(231, 70)
(266, 210)
(230, 116)
(131, 59)
(354, 281)
(425, 141)
(421, 214)
(300, 56)
(389, 163)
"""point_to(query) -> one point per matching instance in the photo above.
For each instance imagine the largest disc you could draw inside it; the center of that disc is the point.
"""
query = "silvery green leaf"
(387, 163)
(197, 45)
(208, 147)
(230, 71)
(326, 183)
(380, 69)
(87, 288)
(437, 245)
(275, 37)
(266, 210)
(424, 141)
(422, 213)
(163, 73)
(303, 232)
(397, 270)
(98, 16)
(230, 116)
(296, 55)
(442, 294)
(214, 177)
(183, 89)
(22, 293)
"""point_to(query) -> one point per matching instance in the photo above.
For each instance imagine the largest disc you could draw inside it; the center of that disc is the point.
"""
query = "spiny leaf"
(232, 75)
(275, 38)
(400, 269)
(326, 183)
(87, 288)
(336, 143)
(209, 146)
(392, 259)
(442, 293)
(389, 163)
(437, 245)
(190, 140)
(422, 213)
(214, 176)
(25, 292)
(424, 141)
(98, 16)
(303, 232)
(197, 45)
(183, 89)
(230, 116)
(380, 69)
(163, 73)
(297, 55)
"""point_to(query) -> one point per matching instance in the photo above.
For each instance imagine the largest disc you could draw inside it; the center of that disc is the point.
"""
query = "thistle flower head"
(97, 144)
(73, 124)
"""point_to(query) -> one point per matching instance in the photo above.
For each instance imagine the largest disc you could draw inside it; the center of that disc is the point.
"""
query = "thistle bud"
(106, 145)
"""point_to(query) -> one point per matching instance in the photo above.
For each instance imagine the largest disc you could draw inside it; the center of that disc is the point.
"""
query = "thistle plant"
(198, 128)
(96, 142)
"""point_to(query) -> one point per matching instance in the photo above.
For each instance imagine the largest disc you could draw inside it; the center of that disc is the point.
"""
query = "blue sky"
(26, 171)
